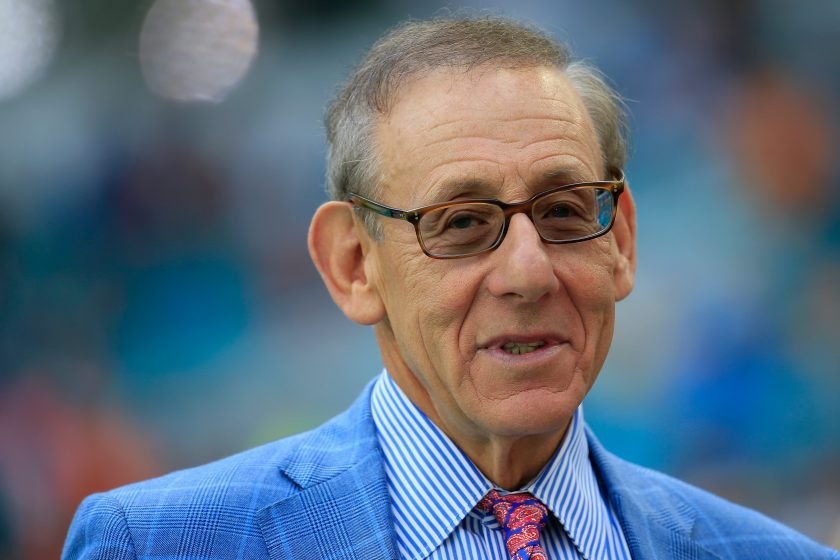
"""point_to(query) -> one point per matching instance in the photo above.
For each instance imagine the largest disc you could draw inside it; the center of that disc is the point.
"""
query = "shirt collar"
(569, 488)
(434, 485)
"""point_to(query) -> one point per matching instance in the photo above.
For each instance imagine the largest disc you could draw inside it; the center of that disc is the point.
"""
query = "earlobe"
(336, 248)
(624, 231)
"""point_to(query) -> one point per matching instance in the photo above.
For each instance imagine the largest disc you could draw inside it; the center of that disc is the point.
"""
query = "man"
(481, 223)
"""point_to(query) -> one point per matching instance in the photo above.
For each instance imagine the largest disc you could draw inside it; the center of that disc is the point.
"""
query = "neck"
(512, 463)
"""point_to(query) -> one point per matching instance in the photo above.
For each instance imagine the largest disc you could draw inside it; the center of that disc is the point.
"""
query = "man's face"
(452, 327)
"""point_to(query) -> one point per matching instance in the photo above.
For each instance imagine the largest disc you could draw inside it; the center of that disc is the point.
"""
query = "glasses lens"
(461, 229)
(574, 214)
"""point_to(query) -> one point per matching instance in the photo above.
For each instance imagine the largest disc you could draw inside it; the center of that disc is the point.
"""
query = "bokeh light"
(28, 39)
(198, 50)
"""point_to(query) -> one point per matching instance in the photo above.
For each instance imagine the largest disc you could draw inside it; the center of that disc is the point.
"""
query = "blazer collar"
(655, 524)
(342, 508)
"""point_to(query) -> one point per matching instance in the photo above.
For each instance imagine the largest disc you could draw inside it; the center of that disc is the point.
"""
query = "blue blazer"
(322, 494)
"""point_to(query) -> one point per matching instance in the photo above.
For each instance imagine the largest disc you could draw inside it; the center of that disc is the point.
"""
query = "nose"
(523, 269)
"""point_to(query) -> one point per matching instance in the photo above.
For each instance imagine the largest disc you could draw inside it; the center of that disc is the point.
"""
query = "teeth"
(521, 347)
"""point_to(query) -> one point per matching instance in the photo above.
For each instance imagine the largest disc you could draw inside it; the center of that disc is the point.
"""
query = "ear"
(338, 246)
(624, 231)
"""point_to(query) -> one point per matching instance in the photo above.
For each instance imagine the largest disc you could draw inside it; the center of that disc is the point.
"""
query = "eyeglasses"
(564, 214)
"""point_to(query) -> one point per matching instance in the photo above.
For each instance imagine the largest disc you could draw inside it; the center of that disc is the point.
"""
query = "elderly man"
(481, 223)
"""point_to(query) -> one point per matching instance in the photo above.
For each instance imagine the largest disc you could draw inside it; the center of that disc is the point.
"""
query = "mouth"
(517, 348)
(524, 360)
(512, 345)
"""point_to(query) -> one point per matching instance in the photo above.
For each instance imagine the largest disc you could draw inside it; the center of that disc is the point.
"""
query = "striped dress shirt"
(434, 490)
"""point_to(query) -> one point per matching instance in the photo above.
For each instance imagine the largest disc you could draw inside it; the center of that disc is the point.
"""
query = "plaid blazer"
(322, 494)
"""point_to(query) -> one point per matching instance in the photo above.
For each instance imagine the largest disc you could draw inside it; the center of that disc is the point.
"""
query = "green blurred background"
(160, 161)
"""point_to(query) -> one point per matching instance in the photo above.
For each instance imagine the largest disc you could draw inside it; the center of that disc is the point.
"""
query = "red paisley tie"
(522, 516)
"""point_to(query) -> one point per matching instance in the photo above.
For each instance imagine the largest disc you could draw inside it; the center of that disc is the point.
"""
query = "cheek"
(426, 301)
(588, 274)
(588, 278)
(592, 287)
(396, 262)
(441, 320)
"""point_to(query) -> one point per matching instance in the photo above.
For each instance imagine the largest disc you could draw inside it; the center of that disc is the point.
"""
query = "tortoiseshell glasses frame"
(568, 213)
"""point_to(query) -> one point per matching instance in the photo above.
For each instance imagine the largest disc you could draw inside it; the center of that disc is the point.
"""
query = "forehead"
(486, 132)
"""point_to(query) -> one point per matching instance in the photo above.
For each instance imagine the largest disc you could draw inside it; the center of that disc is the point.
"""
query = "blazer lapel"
(648, 538)
(653, 527)
(347, 516)
(342, 509)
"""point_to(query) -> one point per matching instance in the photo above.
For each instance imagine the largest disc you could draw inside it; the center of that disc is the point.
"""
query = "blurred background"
(160, 160)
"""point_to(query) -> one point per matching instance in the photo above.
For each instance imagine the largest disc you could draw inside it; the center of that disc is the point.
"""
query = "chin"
(532, 412)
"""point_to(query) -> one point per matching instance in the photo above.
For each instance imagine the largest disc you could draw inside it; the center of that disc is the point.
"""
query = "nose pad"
(524, 267)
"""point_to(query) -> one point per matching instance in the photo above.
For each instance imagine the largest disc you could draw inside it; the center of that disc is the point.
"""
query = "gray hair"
(418, 47)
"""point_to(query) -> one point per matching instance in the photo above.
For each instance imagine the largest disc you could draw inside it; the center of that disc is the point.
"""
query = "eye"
(562, 210)
(464, 220)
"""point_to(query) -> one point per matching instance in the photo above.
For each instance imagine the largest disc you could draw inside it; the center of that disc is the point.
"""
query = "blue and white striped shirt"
(434, 488)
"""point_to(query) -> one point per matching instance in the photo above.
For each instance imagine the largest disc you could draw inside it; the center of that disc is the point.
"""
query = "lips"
(523, 361)
(516, 344)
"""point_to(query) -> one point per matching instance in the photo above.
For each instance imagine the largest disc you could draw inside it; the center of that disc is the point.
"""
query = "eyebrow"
(474, 187)
(471, 187)
(563, 176)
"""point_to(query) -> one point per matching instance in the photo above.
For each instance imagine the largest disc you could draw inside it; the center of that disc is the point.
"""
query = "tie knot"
(522, 516)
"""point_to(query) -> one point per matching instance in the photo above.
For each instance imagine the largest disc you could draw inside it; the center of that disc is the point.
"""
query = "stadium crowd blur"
(158, 308)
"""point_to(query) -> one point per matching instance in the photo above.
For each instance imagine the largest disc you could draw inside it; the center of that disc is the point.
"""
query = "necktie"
(522, 516)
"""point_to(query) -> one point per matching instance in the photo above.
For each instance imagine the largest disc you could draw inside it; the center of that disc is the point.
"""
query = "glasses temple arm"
(380, 209)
